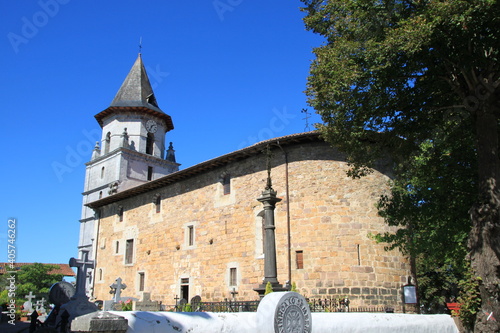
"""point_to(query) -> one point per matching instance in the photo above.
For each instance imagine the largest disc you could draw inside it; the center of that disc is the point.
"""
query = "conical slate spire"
(136, 89)
(136, 94)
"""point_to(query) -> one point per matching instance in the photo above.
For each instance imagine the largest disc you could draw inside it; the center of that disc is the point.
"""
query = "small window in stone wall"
(158, 203)
(233, 277)
(129, 251)
(299, 258)
(141, 281)
(117, 247)
(190, 230)
(226, 184)
(100, 274)
(120, 213)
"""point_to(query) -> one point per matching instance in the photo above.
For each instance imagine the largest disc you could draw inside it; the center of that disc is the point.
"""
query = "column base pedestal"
(261, 289)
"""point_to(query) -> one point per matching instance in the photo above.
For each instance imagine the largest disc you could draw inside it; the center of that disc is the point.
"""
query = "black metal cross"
(306, 118)
(269, 155)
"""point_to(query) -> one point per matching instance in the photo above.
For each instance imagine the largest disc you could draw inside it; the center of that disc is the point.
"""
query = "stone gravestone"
(28, 305)
(182, 304)
(40, 305)
(146, 304)
(116, 290)
(196, 303)
(60, 293)
(79, 303)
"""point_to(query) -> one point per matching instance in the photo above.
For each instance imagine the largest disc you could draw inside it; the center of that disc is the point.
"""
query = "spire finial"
(269, 183)
(306, 111)
(140, 45)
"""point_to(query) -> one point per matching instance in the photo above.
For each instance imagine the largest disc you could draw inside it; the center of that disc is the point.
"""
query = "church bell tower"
(132, 150)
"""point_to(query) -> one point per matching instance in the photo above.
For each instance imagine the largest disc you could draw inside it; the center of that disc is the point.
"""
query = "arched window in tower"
(150, 143)
(150, 172)
(107, 143)
(102, 172)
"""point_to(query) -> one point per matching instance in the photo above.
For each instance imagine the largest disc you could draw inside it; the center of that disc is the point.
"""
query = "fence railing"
(316, 305)
(229, 306)
(225, 306)
(342, 305)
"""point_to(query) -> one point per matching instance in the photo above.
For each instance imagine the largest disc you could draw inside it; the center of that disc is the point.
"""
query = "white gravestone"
(146, 304)
(40, 305)
(117, 288)
(28, 305)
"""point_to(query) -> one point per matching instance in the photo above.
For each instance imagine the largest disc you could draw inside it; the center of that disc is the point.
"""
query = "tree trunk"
(484, 239)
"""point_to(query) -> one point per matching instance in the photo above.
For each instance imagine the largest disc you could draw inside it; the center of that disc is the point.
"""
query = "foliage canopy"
(419, 80)
(33, 278)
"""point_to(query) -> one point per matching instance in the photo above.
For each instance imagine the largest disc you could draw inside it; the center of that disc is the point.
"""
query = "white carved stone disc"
(292, 315)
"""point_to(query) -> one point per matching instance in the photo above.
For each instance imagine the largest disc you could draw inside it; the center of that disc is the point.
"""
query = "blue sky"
(229, 72)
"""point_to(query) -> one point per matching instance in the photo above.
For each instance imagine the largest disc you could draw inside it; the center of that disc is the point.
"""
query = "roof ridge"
(205, 165)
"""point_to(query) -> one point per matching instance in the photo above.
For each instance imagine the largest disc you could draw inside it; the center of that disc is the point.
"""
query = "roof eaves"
(203, 166)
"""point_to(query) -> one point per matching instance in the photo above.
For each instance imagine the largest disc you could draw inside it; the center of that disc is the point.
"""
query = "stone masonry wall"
(331, 217)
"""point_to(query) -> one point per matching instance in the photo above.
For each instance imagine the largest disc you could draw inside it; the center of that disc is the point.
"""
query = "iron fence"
(316, 305)
(225, 306)
(341, 305)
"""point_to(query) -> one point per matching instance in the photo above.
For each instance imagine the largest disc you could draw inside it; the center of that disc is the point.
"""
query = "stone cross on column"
(83, 264)
(118, 286)
(28, 306)
(269, 200)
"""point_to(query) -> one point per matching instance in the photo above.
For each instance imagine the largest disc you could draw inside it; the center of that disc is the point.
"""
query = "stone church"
(178, 233)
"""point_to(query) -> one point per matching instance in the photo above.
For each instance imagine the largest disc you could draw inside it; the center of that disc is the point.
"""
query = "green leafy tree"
(4, 298)
(3, 293)
(395, 75)
(469, 298)
(429, 201)
(36, 278)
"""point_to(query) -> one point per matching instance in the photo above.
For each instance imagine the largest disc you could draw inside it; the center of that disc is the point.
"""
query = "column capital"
(269, 196)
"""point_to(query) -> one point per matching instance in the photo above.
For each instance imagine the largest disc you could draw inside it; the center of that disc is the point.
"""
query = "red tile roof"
(63, 268)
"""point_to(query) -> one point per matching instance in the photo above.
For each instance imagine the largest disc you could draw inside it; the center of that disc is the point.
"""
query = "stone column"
(269, 200)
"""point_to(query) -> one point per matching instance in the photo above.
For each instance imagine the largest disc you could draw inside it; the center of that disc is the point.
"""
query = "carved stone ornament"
(292, 315)
(113, 188)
